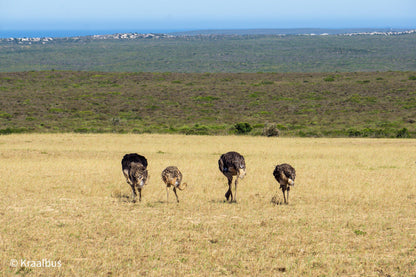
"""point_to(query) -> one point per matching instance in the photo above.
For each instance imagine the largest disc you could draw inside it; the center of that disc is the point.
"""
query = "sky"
(205, 14)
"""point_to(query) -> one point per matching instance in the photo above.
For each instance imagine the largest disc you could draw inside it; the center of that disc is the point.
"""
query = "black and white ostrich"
(285, 175)
(134, 168)
(232, 164)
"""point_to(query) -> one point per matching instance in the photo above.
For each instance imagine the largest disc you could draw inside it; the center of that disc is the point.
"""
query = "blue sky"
(212, 14)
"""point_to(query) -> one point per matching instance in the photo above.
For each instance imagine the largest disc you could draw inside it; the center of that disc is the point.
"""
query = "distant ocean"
(72, 33)
(288, 31)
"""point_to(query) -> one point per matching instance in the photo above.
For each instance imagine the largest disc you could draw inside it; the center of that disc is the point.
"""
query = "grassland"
(365, 104)
(64, 199)
(200, 54)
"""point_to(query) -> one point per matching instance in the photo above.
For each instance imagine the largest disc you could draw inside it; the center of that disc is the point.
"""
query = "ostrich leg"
(229, 193)
(174, 190)
(133, 195)
(284, 196)
(235, 190)
(288, 196)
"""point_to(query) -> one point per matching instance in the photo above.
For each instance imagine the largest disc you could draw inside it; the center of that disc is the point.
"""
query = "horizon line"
(68, 33)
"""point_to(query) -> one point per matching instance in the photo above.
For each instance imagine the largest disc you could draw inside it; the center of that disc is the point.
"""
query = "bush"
(354, 133)
(403, 133)
(195, 130)
(309, 134)
(242, 128)
(82, 130)
(369, 132)
(8, 131)
(5, 115)
(271, 130)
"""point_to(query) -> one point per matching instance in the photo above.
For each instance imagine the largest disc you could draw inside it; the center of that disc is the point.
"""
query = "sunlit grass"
(351, 211)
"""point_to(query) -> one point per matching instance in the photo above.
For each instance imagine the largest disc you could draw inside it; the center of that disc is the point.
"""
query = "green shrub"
(195, 130)
(309, 134)
(205, 98)
(243, 128)
(56, 110)
(363, 82)
(403, 133)
(7, 131)
(329, 79)
(5, 115)
(369, 132)
(359, 232)
(82, 130)
(354, 133)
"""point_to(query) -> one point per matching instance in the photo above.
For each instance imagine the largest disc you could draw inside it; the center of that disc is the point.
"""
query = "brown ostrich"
(232, 164)
(172, 178)
(285, 175)
(134, 168)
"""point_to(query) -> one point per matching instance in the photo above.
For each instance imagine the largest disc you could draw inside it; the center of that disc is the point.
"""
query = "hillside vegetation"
(377, 104)
(217, 53)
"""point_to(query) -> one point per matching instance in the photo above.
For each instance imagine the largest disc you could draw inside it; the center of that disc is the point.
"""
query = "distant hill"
(290, 31)
(364, 104)
(213, 53)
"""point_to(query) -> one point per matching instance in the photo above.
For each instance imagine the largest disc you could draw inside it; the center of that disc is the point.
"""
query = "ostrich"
(133, 157)
(134, 168)
(285, 174)
(172, 177)
(232, 164)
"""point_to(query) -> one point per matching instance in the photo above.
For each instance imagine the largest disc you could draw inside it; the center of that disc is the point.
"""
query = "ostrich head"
(291, 182)
(242, 171)
(141, 181)
(139, 173)
(181, 186)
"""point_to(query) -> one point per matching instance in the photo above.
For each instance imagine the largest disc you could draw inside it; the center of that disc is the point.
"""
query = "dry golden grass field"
(65, 207)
